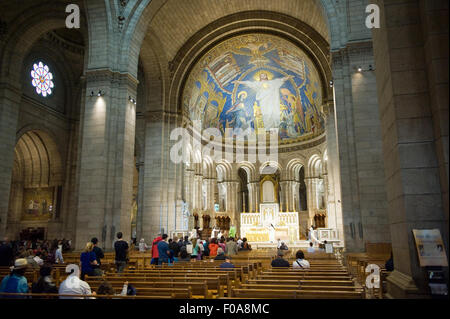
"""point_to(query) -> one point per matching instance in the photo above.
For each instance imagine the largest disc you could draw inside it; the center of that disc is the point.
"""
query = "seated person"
(279, 261)
(220, 254)
(16, 282)
(300, 261)
(311, 249)
(106, 288)
(227, 264)
(45, 282)
(245, 245)
(73, 285)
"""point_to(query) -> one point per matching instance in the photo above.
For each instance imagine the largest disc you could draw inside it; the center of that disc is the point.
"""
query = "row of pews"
(253, 277)
(375, 253)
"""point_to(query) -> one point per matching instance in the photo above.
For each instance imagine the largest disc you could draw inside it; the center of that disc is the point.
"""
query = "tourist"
(163, 250)
(106, 289)
(6, 253)
(239, 243)
(73, 285)
(213, 246)
(220, 254)
(58, 254)
(38, 258)
(300, 261)
(200, 249)
(227, 264)
(206, 247)
(174, 248)
(311, 248)
(184, 256)
(155, 256)
(88, 259)
(29, 255)
(279, 261)
(231, 247)
(98, 255)
(16, 282)
(195, 249)
(45, 282)
(121, 248)
(222, 243)
(142, 246)
(245, 244)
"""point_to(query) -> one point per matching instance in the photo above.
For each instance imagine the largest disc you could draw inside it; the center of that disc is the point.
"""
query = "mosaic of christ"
(256, 82)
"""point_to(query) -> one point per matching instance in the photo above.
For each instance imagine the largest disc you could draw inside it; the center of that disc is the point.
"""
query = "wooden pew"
(295, 294)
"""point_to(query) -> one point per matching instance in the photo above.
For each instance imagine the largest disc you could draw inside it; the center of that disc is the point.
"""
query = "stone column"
(285, 191)
(107, 138)
(412, 168)
(10, 97)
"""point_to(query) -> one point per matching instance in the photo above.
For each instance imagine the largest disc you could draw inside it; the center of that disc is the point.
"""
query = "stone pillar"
(283, 195)
(10, 98)
(412, 167)
(107, 138)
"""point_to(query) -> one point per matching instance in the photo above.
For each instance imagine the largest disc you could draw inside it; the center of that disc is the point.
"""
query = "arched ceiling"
(37, 160)
(176, 21)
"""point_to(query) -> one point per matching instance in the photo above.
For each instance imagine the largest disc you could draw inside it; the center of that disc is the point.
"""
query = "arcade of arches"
(86, 117)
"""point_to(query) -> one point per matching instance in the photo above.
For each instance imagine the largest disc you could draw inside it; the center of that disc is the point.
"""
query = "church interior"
(275, 121)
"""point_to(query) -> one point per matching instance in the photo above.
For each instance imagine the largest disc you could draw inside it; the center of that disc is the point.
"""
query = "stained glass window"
(42, 79)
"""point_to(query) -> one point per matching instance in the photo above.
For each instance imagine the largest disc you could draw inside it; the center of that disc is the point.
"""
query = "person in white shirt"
(142, 246)
(311, 249)
(239, 243)
(300, 261)
(73, 285)
(279, 243)
(58, 255)
(38, 259)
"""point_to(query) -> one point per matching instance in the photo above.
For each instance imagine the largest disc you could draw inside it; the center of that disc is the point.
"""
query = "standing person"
(222, 243)
(300, 261)
(174, 248)
(16, 281)
(231, 247)
(239, 243)
(6, 253)
(142, 246)
(163, 250)
(206, 247)
(195, 249)
(155, 256)
(213, 246)
(121, 248)
(88, 260)
(245, 244)
(99, 255)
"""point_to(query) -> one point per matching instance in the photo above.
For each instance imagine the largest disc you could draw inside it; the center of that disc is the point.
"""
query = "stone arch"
(28, 27)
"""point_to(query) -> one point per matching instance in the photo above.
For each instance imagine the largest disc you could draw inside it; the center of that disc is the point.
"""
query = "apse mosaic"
(256, 82)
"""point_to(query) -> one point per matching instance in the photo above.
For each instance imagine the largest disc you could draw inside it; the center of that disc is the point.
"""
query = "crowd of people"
(42, 255)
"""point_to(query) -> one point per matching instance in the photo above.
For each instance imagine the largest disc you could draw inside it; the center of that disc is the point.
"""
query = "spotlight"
(370, 68)
(92, 93)
(359, 69)
(331, 83)
(132, 100)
